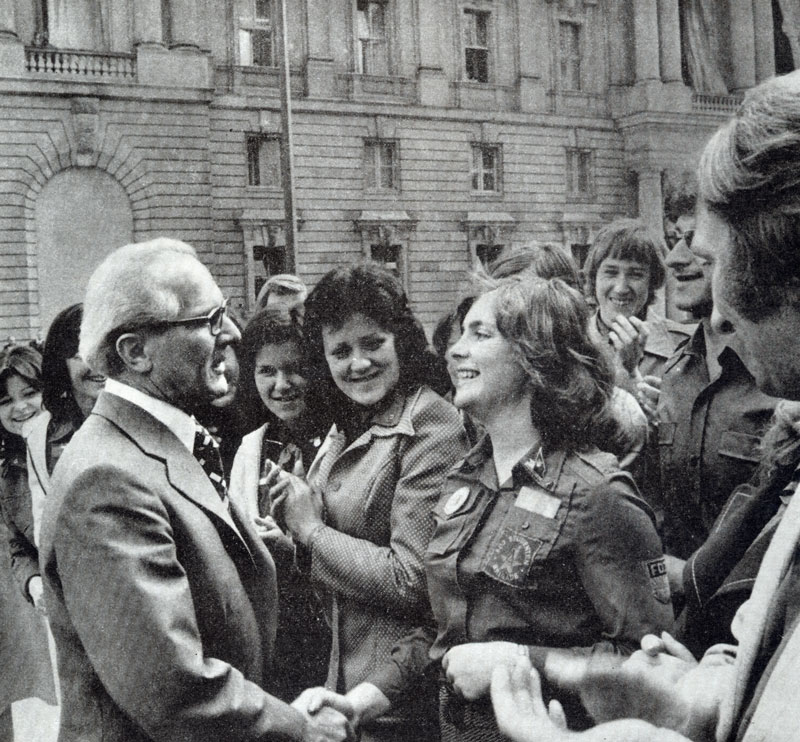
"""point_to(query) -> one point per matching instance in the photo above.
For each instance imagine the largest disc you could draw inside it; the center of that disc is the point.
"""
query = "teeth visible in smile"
(466, 374)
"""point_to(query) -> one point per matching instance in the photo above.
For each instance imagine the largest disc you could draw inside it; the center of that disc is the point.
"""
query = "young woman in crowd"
(624, 269)
(26, 670)
(363, 515)
(69, 391)
(540, 541)
(274, 380)
(625, 435)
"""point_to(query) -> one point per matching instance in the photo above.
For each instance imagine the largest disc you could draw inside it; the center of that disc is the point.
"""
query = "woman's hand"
(273, 537)
(300, 506)
(648, 390)
(270, 487)
(469, 667)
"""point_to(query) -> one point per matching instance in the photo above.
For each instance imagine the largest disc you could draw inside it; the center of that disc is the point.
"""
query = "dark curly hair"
(370, 290)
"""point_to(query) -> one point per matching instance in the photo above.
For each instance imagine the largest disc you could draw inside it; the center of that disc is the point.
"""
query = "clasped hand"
(292, 503)
(469, 667)
(325, 722)
(628, 335)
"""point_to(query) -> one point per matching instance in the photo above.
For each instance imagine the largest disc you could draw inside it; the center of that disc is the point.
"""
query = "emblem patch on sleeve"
(659, 581)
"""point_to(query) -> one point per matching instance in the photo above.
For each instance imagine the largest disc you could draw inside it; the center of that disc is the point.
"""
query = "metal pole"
(287, 155)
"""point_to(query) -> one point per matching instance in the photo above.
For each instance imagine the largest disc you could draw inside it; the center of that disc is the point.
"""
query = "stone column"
(645, 28)
(184, 24)
(765, 40)
(743, 45)
(669, 40)
(433, 87)
(532, 29)
(8, 20)
(147, 23)
(319, 65)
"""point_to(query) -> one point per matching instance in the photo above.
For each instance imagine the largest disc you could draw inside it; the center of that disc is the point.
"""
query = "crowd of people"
(567, 517)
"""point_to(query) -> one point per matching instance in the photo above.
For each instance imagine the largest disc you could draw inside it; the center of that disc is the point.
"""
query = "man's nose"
(679, 255)
(720, 323)
(230, 331)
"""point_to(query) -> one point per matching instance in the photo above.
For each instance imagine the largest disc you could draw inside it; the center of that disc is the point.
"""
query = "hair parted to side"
(136, 285)
(17, 359)
(749, 176)
(545, 322)
(627, 239)
(60, 344)
(370, 290)
(281, 284)
(543, 259)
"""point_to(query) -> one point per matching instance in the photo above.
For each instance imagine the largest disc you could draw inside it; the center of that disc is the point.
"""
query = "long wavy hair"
(545, 321)
(372, 291)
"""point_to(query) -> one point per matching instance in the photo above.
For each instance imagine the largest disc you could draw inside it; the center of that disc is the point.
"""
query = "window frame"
(561, 59)
(575, 156)
(476, 13)
(373, 171)
(250, 24)
(359, 59)
(478, 170)
(261, 138)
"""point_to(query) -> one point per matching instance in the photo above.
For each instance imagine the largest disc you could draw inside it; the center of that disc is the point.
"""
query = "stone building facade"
(428, 134)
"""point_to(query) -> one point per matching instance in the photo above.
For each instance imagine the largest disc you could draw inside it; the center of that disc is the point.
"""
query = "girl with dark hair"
(23, 637)
(69, 391)
(274, 387)
(362, 516)
(540, 541)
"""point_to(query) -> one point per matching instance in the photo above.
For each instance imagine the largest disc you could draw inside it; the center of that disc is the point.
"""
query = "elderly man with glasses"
(162, 598)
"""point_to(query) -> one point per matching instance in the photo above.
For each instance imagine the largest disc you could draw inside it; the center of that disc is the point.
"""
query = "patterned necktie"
(206, 451)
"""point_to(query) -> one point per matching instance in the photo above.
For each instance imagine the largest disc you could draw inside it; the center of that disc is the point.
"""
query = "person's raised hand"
(628, 335)
(519, 707)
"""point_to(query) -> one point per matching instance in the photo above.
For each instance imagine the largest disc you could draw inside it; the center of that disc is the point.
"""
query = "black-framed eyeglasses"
(215, 319)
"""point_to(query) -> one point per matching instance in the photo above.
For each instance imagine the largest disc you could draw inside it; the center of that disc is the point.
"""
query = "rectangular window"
(256, 37)
(580, 181)
(380, 165)
(476, 45)
(372, 51)
(485, 168)
(263, 161)
(390, 256)
(569, 55)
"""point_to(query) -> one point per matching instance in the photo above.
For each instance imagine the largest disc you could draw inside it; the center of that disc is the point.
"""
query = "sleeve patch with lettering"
(656, 570)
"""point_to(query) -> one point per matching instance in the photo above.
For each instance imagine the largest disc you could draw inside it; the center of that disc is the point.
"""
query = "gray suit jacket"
(161, 601)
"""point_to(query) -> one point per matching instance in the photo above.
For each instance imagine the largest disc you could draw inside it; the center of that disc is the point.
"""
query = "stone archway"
(81, 215)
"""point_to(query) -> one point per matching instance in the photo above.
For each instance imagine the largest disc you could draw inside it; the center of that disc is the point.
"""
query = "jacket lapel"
(183, 471)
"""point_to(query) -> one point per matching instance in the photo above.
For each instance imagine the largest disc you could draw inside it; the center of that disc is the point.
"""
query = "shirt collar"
(179, 422)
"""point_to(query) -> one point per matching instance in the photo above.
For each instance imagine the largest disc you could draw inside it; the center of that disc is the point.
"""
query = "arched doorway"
(81, 215)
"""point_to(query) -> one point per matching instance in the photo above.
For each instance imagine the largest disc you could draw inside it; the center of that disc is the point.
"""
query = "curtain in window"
(79, 24)
(700, 45)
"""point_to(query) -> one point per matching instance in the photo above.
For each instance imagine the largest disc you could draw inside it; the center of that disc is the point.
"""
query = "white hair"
(135, 285)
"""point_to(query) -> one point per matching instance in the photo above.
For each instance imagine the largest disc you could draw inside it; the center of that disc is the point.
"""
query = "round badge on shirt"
(456, 500)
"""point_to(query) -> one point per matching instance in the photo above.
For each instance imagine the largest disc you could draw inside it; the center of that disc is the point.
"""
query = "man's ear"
(134, 352)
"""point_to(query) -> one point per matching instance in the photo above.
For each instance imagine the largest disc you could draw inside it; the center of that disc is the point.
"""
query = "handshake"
(334, 717)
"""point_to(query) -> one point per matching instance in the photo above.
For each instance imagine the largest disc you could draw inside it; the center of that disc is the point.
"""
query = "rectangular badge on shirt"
(538, 501)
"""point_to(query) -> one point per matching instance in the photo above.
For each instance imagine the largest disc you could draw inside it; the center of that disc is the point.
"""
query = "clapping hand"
(628, 335)
(519, 706)
(648, 390)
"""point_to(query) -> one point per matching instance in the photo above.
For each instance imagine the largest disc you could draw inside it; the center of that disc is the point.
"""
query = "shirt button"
(334, 486)
(526, 525)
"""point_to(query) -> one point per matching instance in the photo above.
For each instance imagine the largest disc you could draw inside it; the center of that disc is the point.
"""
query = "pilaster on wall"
(319, 65)
(12, 52)
(533, 44)
(432, 84)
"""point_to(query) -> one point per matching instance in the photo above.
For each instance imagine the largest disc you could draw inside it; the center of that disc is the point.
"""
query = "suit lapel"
(154, 438)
